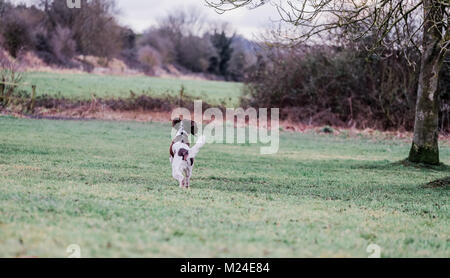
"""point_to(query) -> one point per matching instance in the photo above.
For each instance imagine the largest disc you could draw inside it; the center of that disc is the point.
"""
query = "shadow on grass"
(402, 164)
(440, 183)
(407, 163)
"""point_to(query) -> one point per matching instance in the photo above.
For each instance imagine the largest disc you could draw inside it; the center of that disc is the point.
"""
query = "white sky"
(141, 14)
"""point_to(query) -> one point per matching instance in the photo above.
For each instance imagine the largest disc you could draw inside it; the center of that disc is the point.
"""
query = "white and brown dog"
(181, 155)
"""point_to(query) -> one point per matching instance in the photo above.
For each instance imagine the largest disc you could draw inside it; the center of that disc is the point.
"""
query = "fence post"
(181, 95)
(33, 97)
(2, 89)
(8, 94)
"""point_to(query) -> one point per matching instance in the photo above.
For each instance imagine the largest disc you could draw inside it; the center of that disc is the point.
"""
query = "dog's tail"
(195, 149)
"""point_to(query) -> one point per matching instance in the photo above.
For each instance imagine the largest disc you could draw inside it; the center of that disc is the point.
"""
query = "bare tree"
(380, 18)
(63, 45)
(180, 38)
(186, 21)
(94, 27)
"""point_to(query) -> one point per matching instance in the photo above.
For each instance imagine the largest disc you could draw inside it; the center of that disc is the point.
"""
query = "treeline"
(186, 39)
(183, 40)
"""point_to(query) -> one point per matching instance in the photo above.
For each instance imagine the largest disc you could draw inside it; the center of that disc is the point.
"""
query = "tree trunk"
(426, 127)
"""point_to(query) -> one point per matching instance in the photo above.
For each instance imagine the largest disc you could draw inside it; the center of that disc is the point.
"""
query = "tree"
(94, 27)
(4, 6)
(16, 29)
(379, 18)
(194, 52)
(222, 44)
(185, 21)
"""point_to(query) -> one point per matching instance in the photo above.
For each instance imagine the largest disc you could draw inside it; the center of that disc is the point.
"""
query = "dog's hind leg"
(180, 179)
(186, 176)
(188, 182)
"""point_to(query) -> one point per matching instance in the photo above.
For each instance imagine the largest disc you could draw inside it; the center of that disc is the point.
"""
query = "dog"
(181, 155)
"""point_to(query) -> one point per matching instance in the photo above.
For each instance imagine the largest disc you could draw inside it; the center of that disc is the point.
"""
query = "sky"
(141, 14)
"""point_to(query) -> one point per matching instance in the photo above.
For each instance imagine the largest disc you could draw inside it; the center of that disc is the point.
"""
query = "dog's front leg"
(181, 181)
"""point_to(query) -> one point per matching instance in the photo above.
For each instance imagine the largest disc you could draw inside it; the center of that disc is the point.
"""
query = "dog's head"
(186, 126)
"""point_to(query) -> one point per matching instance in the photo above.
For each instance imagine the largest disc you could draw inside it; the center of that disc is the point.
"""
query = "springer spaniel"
(181, 155)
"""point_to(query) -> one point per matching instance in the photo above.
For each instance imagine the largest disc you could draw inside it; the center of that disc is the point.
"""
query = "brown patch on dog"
(184, 153)
(175, 122)
(171, 150)
(193, 128)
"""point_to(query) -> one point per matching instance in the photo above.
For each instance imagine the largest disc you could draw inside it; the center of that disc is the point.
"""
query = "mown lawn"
(84, 85)
(107, 187)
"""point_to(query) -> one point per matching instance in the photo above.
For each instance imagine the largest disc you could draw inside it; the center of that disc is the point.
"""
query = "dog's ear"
(175, 122)
(194, 128)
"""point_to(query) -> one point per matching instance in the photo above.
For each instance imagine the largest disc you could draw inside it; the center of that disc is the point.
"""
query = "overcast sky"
(140, 14)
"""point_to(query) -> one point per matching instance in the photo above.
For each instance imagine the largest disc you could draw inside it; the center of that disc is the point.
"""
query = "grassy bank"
(82, 86)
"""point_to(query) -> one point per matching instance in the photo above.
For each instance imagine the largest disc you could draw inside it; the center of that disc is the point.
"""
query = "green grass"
(84, 85)
(107, 187)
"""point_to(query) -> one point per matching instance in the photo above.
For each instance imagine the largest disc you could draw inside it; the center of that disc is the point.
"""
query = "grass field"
(84, 85)
(107, 187)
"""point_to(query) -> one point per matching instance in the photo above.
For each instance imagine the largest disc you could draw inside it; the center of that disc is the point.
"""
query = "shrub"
(161, 42)
(334, 86)
(149, 57)
(9, 73)
(62, 44)
(16, 34)
(194, 53)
